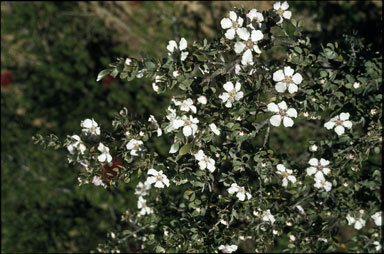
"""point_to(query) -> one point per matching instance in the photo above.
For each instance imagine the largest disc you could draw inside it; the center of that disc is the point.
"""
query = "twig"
(304, 198)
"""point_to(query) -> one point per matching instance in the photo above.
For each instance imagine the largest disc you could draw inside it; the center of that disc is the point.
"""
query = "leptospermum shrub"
(229, 182)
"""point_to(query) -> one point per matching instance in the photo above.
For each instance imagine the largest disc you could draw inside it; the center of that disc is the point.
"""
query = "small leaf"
(102, 74)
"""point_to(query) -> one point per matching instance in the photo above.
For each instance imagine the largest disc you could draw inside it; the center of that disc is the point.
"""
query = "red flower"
(6, 78)
(107, 80)
(133, 3)
(108, 171)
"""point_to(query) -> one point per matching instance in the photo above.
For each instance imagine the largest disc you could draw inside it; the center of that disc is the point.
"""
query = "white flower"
(152, 119)
(158, 178)
(233, 93)
(186, 105)
(281, 10)
(142, 188)
(142, 204)
(175, 74)
(256, 16)
(202, 99)
(128, 61)
(286, 79)
(174, 121)
(240, 192)
(286, 173)
(248, 45)
(155, 87)
(283, 113)
(214, 129)
(359, 222)
(190, 125)
(205, 161)
(377, 218)
(135, 146)
(301, 209)
(292, 238)
(356, 85)
(140, 74)
(378, 245)
(104, 156)
(172, 46)
(267, 216)
(97, 181)
(320, 182)
(318, 168)
(228, 248)
(76, 145)
(313, 148)
(340, 122)
(233, 24)
(90, 126)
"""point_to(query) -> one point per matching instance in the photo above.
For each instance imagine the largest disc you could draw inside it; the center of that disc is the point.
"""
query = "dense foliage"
(269, 137)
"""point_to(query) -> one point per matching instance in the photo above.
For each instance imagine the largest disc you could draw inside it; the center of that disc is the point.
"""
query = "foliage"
(230, 184)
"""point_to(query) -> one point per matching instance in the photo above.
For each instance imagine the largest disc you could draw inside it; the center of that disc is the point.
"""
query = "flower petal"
(243, 33)
(224, 96)
(287, 14)
(311, 171)
(292, 112)
(276, 5)
(347, 124)
(313, 162)
(184, 55)
(187, 131)
(159, 184)
(232, 15)
(284, 6)
(172, 45)
(297, 78)
(344, 116)
(239, 47)
(292, 88)
(226, 23)
(339, 130)
(183, 44)
(280, 87)
(230, 34)
(329, 125)
(237, 86)
(278, 75)
(288, 71)
(283, 105)
(152, 171)
(247, 57)
(288, 122)
(256, 35)
(228, 86)
(275, 120)
(280, 167)
(272, 107)
(324, 162)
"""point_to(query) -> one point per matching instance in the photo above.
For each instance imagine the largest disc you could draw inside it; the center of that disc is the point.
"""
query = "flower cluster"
(286, 173)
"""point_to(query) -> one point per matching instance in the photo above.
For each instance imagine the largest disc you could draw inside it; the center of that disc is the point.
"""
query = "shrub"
(270, 139)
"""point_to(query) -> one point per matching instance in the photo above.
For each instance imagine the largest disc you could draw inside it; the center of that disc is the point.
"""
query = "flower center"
(232, 93)
(285, 174)
(280, 11)
(339, 122)
(249, 44)
(136, 146)
(288, 79)
(187, 122)
(282, 112)
(319, 167)
(235, 25)
(159, 178)
(206, 159)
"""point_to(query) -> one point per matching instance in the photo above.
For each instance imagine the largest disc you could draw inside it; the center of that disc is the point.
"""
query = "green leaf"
(102, 74)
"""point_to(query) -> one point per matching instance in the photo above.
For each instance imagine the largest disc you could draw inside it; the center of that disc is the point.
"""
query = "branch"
(226, 68)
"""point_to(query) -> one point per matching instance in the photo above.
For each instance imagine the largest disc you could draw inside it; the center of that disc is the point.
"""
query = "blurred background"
(51, 54)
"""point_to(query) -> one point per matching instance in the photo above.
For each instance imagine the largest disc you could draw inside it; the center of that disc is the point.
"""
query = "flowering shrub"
(228, 183)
